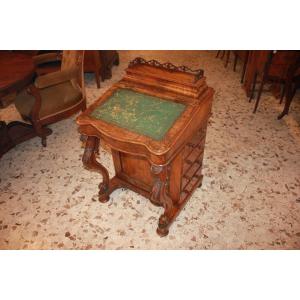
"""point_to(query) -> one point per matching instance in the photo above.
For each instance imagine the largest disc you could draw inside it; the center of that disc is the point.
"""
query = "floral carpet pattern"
(250, 197)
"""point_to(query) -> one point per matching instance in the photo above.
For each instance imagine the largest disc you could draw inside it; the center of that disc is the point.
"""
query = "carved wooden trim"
(90, 162)
(168, 66)
(160, 197)
(157, 186)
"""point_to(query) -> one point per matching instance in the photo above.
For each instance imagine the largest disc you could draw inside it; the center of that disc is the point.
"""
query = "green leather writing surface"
(140, 113)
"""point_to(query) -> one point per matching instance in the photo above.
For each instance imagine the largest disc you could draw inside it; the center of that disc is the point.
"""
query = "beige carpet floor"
(250, 198)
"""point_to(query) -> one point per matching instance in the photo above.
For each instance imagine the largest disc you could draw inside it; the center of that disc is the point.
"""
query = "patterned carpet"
(250, 198)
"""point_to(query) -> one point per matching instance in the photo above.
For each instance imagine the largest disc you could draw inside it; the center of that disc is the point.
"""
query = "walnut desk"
(155, 122)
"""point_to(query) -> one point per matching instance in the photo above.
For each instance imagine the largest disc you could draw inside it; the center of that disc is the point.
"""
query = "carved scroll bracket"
(90, 162)
(160, 197)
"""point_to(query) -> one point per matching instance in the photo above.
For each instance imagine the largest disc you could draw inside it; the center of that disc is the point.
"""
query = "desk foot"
(163, 226)
(103, 193)
(160, 195)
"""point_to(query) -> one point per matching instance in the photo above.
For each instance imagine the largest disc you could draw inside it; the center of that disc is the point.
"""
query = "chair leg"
(219, 51)
(223, 53)
(97, 77)
(253, 87)
(244, 67)
(243, 72)
(43, 138)
(259, 94)
(117, 60)
(282, 93)
(290, 93)
(264, 78)
(227, 58)
(44, 141)
(39, 131)
(235, 62)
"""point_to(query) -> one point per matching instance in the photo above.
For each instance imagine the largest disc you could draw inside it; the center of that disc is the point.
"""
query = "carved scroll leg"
(90, 162)
(160, 197)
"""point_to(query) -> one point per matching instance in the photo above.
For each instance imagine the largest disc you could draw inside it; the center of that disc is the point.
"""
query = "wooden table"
(16, 72)
(155, 122)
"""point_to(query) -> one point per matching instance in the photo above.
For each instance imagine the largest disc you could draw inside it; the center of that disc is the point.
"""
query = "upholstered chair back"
(72, 59)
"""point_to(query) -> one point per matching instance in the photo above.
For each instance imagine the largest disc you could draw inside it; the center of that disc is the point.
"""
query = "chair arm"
(45, 58)
(54, 78)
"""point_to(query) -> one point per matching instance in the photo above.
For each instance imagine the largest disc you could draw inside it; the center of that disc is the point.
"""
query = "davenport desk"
(155, 122)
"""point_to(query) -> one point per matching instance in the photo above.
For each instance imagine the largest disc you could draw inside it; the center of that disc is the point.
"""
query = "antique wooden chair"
(238, 54)
(54, 96)
(243, 55)
(275, 69)
(222, 52)
(45, 66)
(92, 64)
(98, 62)
(292, 83)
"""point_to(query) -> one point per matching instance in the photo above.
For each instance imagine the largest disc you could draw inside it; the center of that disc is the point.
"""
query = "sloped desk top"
(148, 113)
(140, 113)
